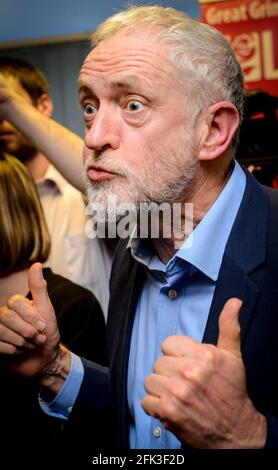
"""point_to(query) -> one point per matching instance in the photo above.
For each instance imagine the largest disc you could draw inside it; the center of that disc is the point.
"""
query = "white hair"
(210, 70)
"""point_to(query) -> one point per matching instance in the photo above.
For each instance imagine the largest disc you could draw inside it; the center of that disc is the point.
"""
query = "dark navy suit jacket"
(249, 271)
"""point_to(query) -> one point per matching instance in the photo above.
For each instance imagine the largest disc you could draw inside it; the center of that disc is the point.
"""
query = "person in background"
(24, 240)
(83, 260)
(192, 325)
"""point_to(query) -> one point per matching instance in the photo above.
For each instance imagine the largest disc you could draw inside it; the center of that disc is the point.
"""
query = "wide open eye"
(89, 109)
(134, 105)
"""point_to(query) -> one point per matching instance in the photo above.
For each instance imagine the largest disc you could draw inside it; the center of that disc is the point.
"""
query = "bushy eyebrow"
(84, 90)
(129, 84)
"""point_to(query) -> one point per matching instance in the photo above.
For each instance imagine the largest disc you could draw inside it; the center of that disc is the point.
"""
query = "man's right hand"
(29, 335)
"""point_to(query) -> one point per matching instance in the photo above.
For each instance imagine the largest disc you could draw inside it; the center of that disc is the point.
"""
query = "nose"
(104, 132)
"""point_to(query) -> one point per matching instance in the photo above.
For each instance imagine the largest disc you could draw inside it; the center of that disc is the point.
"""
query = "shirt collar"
(205, 247)
(53, 177)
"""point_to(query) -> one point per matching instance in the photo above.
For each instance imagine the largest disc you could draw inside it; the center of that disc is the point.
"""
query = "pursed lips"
(99, 173)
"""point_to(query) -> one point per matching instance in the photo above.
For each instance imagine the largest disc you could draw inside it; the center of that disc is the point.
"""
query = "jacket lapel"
(232, 282)
(125, 290)
(244, 253)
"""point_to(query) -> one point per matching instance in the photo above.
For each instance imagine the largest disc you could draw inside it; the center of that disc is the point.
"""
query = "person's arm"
(61, 146)
(60, 406)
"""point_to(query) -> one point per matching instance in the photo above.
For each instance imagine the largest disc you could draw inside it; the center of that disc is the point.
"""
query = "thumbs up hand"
(28, 330)
(198, 391)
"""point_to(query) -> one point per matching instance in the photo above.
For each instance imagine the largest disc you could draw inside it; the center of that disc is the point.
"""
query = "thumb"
(38, 288)
(229, 328)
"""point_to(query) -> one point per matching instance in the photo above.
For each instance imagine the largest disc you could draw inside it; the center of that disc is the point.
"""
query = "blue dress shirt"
(175, 300)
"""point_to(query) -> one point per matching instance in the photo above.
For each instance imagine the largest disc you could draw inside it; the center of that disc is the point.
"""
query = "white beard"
(168, 182)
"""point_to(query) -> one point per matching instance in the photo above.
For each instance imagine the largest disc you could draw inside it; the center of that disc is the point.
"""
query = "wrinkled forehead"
(141, 45)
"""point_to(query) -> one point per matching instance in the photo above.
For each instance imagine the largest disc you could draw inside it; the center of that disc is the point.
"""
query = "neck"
(15, 283)
(38, 166)
(206, 189)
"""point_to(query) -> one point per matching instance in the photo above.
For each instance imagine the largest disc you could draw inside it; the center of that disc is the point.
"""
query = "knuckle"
(7, 316)
(167, 343)
(181, 391)
(207, 355)
(169, 410)
(157, 365)
(29, 332)
(147, 382)
(193, 374)
(14, 301)
(20, 342)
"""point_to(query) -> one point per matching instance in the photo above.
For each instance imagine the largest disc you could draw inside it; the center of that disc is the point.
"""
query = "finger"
(173, 389)
(20, 308)
(178, 408)
(180, 346)
(8, 349)
(10, 337)
(12, 321)
(151, 406)
(38, 289)
(155, 407)
(229, 328)
(188, 368)
(168, 365)
(156, 385)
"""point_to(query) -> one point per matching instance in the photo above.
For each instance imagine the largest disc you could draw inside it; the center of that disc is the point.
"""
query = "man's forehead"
(125, 64)
(127, 82)
(128, 41)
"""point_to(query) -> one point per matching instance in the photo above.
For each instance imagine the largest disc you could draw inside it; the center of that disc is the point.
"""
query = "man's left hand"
(198, 391)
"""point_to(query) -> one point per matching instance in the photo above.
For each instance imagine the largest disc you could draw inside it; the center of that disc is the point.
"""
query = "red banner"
(251, 27)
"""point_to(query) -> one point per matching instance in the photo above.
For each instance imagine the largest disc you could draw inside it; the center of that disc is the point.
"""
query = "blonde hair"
(205, 58)
(24, 233)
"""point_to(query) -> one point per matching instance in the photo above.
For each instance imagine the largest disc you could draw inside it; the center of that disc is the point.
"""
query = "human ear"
(45, 105)
(218, 129)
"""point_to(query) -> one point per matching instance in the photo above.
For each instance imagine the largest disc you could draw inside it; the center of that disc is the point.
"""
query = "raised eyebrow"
(85, 91)
(128, 84)
(117, 85)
